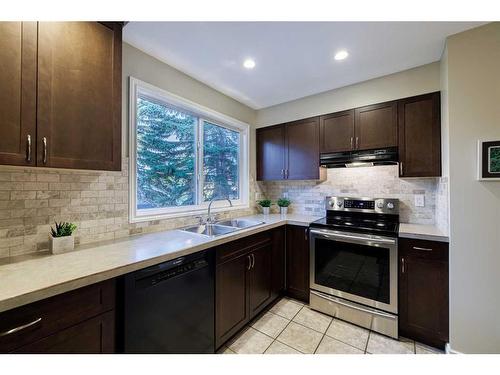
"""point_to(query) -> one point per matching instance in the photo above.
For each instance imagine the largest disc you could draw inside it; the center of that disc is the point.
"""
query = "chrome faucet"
(209, 217)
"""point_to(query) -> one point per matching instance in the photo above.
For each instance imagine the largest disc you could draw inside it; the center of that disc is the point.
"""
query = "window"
(182, 156)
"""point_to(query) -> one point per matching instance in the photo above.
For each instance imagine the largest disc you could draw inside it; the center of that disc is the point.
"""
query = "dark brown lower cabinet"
(297, 262)
(80, 321)
(423, 291)
(247, 280)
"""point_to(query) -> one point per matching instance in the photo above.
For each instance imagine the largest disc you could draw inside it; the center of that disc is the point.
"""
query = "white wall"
(420, 80)
(473, 86)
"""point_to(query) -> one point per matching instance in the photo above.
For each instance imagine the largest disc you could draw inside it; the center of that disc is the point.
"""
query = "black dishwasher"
(169, 308)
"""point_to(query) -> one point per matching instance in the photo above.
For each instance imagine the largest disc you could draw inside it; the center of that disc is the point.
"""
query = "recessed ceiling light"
(341, 55)
(249, 64)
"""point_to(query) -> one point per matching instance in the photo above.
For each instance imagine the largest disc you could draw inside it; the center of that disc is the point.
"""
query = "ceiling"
(293, 59)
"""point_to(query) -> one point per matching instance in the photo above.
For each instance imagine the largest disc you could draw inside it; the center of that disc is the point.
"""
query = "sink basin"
(240, 223)
(210, 229)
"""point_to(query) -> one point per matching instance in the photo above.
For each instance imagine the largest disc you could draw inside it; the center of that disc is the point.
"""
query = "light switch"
(419, 200)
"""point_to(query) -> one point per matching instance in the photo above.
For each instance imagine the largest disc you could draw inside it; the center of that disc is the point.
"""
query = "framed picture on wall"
(488, 155)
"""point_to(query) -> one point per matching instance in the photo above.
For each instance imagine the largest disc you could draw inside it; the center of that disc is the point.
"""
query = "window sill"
(194, 212)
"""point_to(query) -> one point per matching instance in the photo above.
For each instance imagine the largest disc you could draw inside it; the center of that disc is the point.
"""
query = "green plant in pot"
(61, 237)
(283, 204)
(266, 205)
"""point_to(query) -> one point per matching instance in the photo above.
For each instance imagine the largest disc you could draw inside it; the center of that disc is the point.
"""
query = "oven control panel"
(373, 205)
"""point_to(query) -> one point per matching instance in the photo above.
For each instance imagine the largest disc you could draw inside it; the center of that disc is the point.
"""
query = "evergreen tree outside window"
(182, 156)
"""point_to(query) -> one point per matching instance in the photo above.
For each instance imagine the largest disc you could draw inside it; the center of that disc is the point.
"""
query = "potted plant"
(61, 237)
(265, 204)
(283, 203)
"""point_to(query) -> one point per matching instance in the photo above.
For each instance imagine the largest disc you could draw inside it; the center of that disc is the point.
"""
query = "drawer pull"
(421, 248)
(20, 328)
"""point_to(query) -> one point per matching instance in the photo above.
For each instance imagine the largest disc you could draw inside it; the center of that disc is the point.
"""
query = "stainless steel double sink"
(219, 228)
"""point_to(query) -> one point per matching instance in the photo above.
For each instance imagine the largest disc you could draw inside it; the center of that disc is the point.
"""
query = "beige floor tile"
(286, 308)
(348, 333)
(225, 350)
(332, 346)
(280, 348)
(295, 301)
(251, 342)
(313, 319)
(379, 344)
(301, 338)
(424, 349)
(270, 324)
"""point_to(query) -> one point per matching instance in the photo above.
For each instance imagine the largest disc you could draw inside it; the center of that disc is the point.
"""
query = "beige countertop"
(422, 232)
(41, 277)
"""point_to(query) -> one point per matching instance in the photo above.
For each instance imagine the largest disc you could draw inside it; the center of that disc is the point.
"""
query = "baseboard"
(449, 350)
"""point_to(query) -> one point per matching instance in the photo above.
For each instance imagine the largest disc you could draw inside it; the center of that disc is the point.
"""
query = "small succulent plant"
(284, 202)
(265, 203)
(62, 229)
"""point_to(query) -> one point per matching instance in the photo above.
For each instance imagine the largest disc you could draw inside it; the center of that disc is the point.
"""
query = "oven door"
(357, 267)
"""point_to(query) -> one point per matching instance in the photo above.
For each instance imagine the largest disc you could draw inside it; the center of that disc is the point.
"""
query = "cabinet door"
(337, 132)
(423, 291)
(96, 335)
(231, 298)
(271, 153)
(420, 136)
(302, 156)
(297, 262)
(18, 49)
(260, 287)
(376, 126)
(278, 261)
(79, 95)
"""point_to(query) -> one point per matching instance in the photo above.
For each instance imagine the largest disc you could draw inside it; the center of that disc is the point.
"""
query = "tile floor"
(290, 327)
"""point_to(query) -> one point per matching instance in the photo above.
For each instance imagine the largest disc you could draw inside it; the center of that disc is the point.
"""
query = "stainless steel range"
(354, 262)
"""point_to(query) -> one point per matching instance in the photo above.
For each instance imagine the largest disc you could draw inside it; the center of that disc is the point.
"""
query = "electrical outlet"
(285, 194)
(419, 200)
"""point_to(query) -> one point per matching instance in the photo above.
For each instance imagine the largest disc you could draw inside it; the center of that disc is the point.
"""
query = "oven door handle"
(352, 306)
(337, 235)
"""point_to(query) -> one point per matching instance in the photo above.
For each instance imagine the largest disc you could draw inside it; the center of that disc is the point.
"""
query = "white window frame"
(137, 87)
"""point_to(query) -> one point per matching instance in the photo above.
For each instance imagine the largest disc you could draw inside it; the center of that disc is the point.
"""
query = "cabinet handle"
(20, 328)
(286, 173)
(352, 142)
(249, 263)
(28, 148)
(305, 234)
(357, 141)
(402, 265)
(253, 260)
(44, 141)
(283, 173)
(400, 168)
(421, 248)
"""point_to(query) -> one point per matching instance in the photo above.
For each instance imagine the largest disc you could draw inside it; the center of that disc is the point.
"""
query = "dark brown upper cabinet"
(420, 136)
(18, 51)
(337, 132)
(61, 94)
(289, 151)
(376, 126)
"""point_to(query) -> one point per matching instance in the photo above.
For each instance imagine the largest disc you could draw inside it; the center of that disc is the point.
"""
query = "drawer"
(239, 247)
(32, 322)
(423, 249)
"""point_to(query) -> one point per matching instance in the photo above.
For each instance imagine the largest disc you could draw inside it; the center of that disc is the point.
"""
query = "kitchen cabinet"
(420, 136)
(297, 262)
(289, 151)
(376, 126)
(278, 261)
(18, 53)
(244, 286)
(423, 291)
(337, 132)
(64, 92)
(80, 321)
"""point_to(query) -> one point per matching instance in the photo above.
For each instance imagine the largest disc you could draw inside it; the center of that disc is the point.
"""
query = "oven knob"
(339, 203)
(330, 203)
(390, 205)
(380, 204)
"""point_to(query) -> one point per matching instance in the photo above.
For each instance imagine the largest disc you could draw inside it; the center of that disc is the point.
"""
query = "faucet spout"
(209, 217)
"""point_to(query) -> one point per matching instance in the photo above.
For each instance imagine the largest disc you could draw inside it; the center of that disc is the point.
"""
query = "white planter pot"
(283, 210)
(58, 245)
(265, 210)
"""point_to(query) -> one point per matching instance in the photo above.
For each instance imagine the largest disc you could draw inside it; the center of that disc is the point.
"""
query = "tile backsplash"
(381, 182)
(31, 199)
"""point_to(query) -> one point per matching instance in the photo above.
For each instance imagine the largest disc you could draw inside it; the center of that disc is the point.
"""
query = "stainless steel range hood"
(369, 158)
